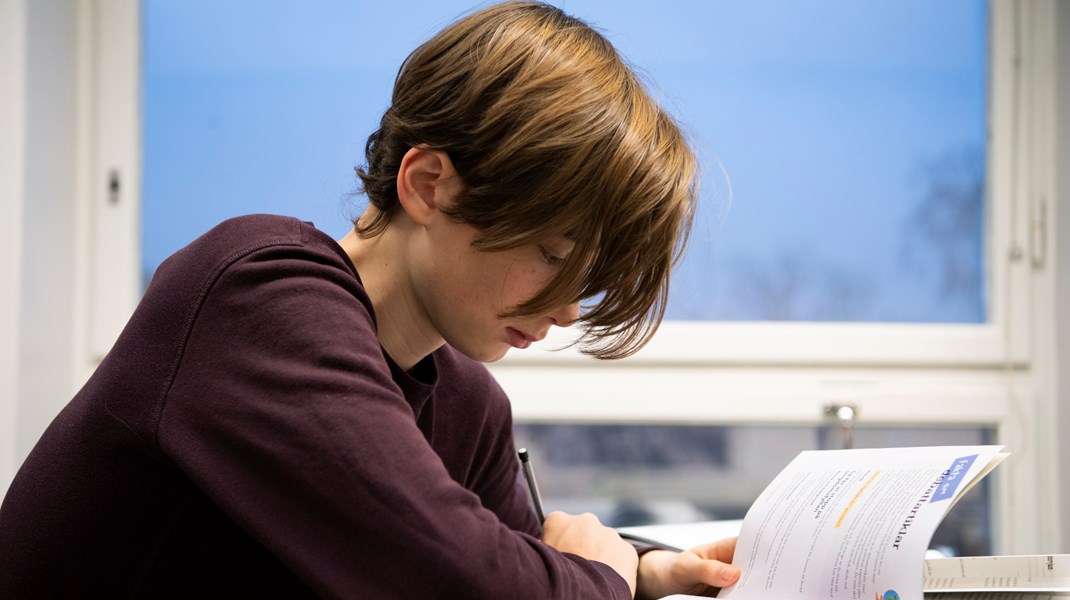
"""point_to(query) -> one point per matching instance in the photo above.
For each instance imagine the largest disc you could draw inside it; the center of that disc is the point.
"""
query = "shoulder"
(275, 244)
(279, 275)
(254, 226)
(239, 236)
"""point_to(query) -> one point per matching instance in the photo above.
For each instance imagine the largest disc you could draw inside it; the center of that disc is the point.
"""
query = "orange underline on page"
(851, 504)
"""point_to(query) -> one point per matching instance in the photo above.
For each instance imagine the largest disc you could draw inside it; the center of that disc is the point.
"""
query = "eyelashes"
(550, 258)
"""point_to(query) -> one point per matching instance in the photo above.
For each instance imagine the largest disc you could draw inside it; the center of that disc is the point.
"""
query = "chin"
(494, 356)
(485, 354)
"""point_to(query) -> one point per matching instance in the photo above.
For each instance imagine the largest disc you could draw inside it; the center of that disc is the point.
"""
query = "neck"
(404, 330)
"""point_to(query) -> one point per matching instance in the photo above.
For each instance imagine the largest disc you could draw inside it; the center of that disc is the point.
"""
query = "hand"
(700, 571)
(586, 536)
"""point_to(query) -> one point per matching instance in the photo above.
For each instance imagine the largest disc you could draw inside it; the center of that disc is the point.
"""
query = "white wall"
(12, 93)
(47, 322)
(1062, 255)
(37, 185)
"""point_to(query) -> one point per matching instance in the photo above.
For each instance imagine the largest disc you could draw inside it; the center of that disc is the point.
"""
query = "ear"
(426, 179)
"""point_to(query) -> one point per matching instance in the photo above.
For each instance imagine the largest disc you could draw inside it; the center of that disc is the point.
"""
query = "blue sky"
(822, 114)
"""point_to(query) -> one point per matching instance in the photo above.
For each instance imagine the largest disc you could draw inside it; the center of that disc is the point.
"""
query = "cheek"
(523, 284)
(502, 283)
(481, 282)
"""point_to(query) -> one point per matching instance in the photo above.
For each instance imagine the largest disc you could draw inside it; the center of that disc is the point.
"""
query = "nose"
(566, 315)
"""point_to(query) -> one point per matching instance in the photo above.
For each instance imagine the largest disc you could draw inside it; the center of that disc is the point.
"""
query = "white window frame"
(108, 221)
(758, 373)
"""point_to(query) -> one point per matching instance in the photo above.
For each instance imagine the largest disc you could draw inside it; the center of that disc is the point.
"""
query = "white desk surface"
(687, 535)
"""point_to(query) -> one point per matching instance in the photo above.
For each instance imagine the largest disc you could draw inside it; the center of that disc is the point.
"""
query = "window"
(631, 474)
(920, 320)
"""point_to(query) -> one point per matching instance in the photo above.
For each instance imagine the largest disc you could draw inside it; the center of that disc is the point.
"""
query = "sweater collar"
(418, 383)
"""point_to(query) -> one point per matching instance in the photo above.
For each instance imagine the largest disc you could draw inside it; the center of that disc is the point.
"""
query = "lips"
(518, 339)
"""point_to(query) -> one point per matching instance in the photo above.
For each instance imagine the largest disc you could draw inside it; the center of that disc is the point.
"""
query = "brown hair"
(551, 133)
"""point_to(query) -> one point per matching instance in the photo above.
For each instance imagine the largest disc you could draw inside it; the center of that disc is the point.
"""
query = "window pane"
(853, 135)
(647, 474)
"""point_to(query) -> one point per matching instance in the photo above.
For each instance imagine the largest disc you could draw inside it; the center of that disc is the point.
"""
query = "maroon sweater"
(248, 436)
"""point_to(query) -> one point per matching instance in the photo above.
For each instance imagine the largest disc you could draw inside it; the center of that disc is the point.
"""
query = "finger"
(718, 574)
(692, 568)
(722, 550)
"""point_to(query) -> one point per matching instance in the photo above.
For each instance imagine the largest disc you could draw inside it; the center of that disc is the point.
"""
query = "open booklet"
(1035, 577)
(855, 524)
(852, 524)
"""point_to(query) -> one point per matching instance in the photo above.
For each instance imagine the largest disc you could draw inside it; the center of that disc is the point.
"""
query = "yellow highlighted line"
(851, 504)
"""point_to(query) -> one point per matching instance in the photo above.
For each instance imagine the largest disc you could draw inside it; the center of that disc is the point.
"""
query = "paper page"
(851, 524)
(1035, 573)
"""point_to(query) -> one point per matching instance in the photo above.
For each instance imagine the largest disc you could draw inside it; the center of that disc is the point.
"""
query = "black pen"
(536, 499)
(529, 474)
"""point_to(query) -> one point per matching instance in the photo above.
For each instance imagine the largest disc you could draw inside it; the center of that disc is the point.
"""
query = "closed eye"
(550, 258)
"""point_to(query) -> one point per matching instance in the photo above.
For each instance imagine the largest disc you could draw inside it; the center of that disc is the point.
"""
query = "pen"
(638, 539)
(536, 499)
(529, 474)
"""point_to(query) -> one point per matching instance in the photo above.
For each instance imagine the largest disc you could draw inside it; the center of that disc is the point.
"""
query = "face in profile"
(465, 291)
